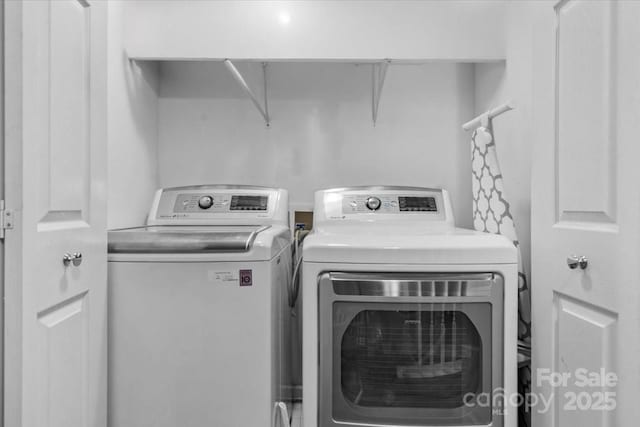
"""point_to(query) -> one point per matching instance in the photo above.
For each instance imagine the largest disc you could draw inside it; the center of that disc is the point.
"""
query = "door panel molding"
(63, 359)
(583, 339)
(585, 141)
(51, 316)
(66, 204)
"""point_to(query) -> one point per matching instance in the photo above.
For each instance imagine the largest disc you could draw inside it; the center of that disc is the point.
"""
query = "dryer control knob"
(205, 202)
(373, 203)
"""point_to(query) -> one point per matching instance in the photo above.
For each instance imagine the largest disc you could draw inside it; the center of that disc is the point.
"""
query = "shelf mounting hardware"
(378, 74)
(263, 109)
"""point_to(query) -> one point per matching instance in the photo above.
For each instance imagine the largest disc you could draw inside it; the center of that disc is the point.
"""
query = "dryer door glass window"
(407, 364)
(410, 359)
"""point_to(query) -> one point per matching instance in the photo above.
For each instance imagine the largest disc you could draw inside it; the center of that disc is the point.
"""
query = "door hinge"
(6, 219)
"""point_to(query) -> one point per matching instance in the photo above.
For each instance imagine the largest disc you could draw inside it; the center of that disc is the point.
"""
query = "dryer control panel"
(219, 204)
(383, 204)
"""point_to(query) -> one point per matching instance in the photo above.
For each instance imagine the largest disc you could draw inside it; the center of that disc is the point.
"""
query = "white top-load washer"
(198, 313)
(407, 320)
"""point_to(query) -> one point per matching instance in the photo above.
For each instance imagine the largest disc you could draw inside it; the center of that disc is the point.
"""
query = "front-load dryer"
(198, 311)
(407, 320)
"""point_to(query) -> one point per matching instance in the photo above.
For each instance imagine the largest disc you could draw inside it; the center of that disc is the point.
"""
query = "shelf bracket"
(378, 74)
(263, 109)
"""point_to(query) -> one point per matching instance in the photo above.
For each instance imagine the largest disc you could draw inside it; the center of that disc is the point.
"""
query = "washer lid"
(183, 239)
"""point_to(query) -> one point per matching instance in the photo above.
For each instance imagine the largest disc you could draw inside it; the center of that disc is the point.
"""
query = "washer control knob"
(205, 202)
(373, 203)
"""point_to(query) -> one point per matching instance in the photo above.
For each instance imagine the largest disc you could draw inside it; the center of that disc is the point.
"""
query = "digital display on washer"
(249, 203)
(417, 204)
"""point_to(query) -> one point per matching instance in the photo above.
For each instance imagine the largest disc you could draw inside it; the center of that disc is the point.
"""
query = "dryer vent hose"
(294, 284)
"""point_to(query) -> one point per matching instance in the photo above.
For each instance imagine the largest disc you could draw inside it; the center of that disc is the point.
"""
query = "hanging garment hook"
(474, 123)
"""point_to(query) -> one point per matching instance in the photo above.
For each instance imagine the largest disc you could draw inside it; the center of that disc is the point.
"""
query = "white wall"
(322, 133)
(495, 84)
(132, 129)
(459, 30)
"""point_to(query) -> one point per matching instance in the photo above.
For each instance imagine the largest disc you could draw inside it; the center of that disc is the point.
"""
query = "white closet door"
(586, 202)
(55, 95)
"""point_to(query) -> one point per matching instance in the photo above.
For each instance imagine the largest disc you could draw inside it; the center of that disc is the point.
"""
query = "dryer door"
(414, 350)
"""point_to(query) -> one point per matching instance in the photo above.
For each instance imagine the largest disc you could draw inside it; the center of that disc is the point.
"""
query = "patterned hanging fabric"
(492, 214)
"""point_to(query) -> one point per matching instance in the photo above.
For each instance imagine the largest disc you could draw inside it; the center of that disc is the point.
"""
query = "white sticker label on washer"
(223, 277)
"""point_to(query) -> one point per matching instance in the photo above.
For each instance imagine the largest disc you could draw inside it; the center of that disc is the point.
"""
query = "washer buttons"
(205, 202)
(373, 203)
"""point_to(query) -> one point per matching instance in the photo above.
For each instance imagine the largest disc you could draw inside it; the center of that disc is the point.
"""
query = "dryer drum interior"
(410, 358)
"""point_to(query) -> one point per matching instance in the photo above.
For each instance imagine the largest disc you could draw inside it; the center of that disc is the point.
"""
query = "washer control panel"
(388, 203)
(219, 204)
